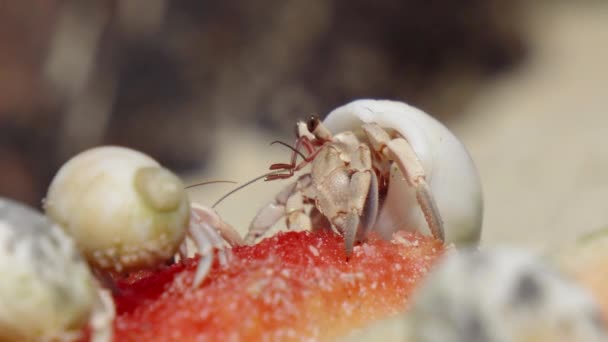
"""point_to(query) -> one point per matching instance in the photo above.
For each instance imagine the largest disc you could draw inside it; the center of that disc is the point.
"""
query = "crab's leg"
(359, 221)
(201, 237)
(102, 317)
(182, 251)
(292, 167)
(206, 238)
(201, 214)
(400, 151)
(208, 231)
(288, 203)
(371, 206)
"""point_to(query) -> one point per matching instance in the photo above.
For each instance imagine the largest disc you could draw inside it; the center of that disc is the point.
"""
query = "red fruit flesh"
(293, 286)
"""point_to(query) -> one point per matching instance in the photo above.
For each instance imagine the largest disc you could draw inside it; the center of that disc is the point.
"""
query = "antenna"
(208, 182)
(266, 175)
(244, 185)
(295, 150)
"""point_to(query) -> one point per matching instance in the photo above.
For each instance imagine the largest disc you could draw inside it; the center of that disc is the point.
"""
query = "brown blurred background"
(204, 86)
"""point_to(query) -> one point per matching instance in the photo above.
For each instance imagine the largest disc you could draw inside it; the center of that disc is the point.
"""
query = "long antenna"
(244, 185)
(209, 182)
(289, 147)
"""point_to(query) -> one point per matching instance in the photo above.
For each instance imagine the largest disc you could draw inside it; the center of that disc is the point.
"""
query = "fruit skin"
(293, 286)
(492, 295)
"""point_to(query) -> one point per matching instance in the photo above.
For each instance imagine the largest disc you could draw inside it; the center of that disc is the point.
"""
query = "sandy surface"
(538, 135)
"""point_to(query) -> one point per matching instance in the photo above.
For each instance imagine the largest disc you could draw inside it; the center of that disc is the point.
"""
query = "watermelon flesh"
(292, 286)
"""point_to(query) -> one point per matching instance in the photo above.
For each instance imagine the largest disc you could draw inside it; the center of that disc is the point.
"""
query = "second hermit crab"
(378, 165)
(126, 212)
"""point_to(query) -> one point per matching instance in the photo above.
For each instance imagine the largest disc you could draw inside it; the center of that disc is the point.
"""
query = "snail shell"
(47, 289)
(124, 210)
(450, 171)
(503, 294)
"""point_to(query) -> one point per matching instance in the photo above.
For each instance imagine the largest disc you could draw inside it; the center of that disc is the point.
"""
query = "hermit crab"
(47, 292)
(377, 165)
(126, 212)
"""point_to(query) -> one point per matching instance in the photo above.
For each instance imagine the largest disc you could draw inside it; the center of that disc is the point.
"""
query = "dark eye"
(312, 123)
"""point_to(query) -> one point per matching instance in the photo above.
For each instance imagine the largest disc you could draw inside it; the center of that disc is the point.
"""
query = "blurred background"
(204, 86)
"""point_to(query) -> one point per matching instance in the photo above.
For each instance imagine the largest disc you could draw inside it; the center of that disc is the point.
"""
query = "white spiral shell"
(47, 290)
(503, 294)
(450, 171)
(124, 210)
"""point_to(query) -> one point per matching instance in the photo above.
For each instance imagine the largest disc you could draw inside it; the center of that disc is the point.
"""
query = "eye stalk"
(312, 123)
(313, 130)
(318, 130)
(309, 128)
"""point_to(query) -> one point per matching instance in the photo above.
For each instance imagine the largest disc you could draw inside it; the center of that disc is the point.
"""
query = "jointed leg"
(207, 215)
(182, 252)
(400, 151)
(288, 203)
(403, 154)
(364, 209)
(102, 317)
(292, 167)
(208, 232)
(202, 239)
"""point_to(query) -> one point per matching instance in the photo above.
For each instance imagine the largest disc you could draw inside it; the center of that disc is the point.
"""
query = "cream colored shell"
(46, 289)
(450, 171)
(503, 294)
(124, 210)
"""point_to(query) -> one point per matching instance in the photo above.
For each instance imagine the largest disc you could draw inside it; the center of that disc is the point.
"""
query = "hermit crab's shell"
(450, 171)
(503, 294)
(124, 210)
(47, 290)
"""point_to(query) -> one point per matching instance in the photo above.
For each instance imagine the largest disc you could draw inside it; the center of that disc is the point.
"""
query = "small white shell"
(124, 210)
(501, 295)
(449, 169)
(47, 289)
